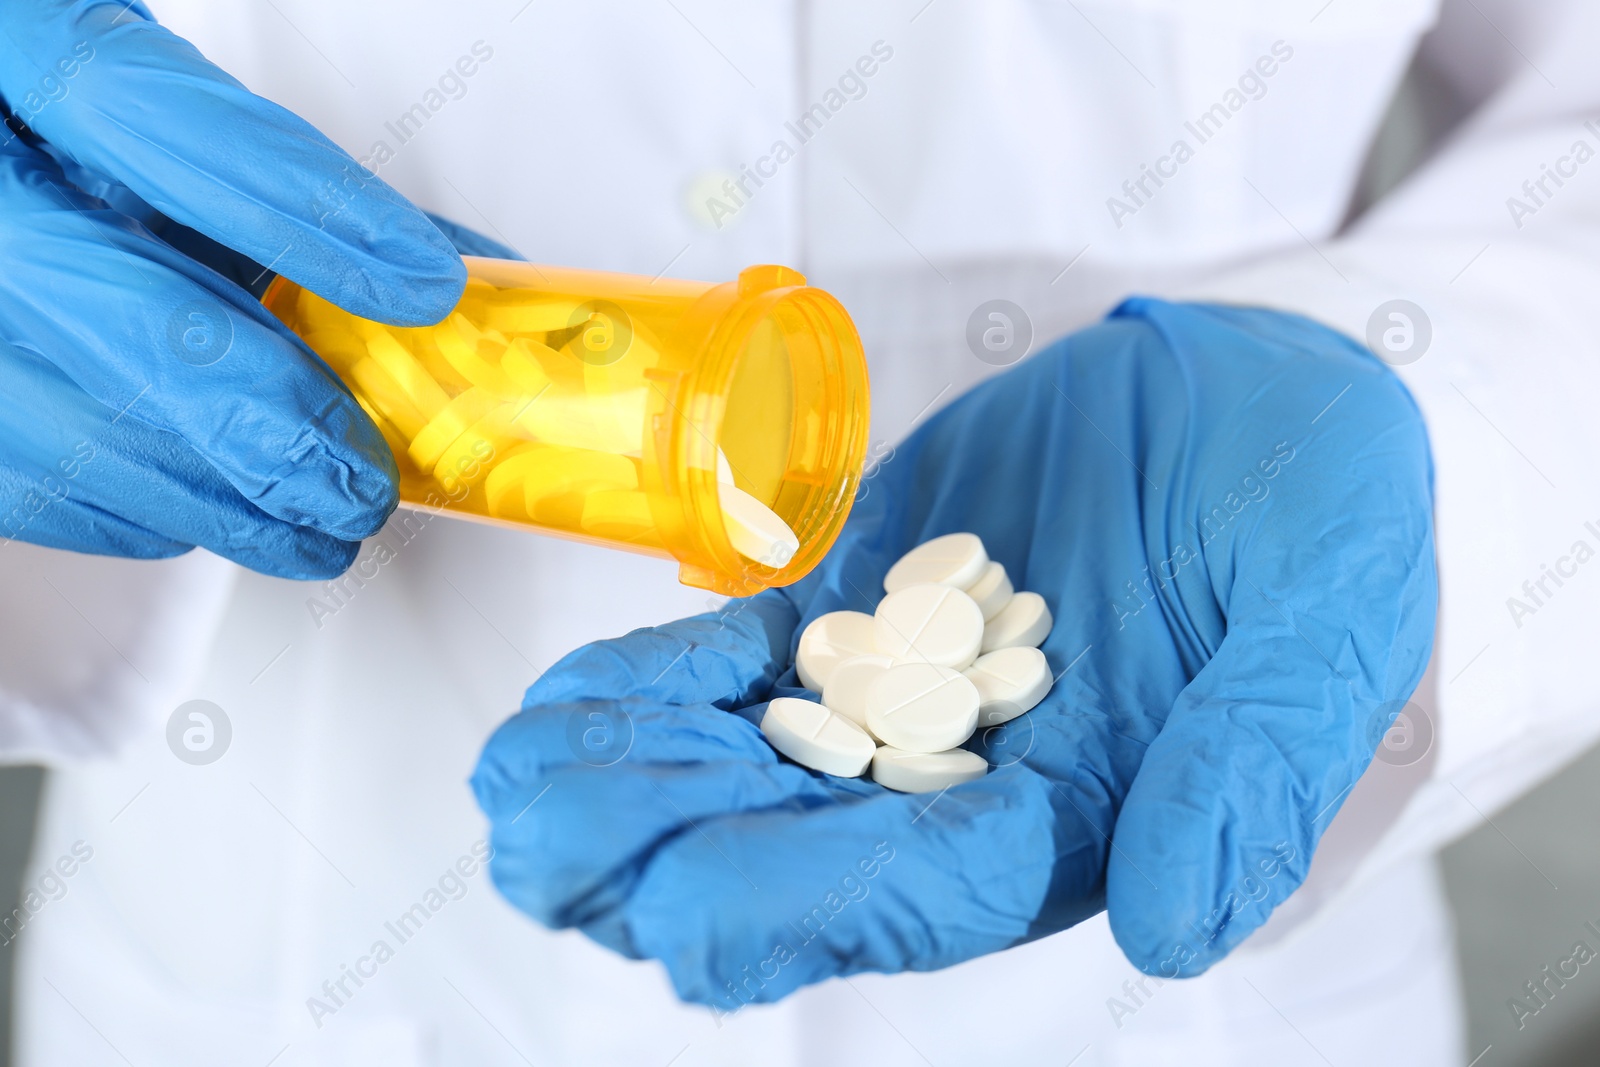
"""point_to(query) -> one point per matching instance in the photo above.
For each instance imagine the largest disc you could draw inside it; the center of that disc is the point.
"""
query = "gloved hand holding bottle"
(151, 403)
(1229, 514)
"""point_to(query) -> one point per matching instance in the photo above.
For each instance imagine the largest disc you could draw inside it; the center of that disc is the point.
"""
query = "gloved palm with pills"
(151, 404)
(1228, 512)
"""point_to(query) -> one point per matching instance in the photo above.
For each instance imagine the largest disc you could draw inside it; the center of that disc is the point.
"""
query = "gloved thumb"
(1259, 752)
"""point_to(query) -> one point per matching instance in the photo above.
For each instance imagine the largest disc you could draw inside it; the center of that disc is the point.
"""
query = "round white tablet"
(846, 691)
(815, 737)
(921, 707)
(955, 560)
(756, 531)
(1024, 622)
(925, 772)
(930, 624)
(829, 641)
(1010, 681)
(992, 590)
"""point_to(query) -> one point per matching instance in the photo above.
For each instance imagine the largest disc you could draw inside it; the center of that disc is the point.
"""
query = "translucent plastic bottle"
(600, 406)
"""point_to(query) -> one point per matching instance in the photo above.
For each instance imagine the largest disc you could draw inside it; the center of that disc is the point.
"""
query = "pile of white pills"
(951, 648)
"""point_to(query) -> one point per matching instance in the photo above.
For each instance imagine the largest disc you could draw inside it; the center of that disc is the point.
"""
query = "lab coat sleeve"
(94, 650)
(1497, 240)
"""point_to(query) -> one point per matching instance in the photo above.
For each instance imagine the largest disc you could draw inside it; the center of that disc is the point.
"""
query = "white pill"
(756, 530)
(920, 707)
(1024, 622)
(925, 772)
(815, 737)
(992, 590)
(1010, 681)
(846, 691)
(955, 560)
(930, 624)
(829, 641)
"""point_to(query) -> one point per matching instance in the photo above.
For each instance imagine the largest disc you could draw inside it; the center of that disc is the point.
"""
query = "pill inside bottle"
(722, 426)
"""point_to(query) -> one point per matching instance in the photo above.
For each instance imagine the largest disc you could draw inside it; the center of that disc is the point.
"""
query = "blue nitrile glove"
(148, 402)
(1228, 511)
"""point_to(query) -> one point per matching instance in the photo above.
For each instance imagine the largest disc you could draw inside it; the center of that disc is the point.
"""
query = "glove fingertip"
(299, 554)
(397, 266)
(1184, 888)
(421, 292)
(340, 478)
(505, 766)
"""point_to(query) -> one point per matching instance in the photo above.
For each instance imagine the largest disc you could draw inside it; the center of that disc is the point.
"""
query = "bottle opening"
(790, 375)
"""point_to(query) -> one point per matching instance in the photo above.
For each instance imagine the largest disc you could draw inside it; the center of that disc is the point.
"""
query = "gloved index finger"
(127, 98)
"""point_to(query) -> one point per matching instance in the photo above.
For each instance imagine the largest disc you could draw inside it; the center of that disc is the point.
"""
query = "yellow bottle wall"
(593, 406)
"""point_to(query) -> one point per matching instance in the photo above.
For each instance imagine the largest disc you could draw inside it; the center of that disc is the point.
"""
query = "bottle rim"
(836, 361)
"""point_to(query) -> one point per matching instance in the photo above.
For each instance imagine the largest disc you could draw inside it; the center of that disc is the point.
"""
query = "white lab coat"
(981, 160)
